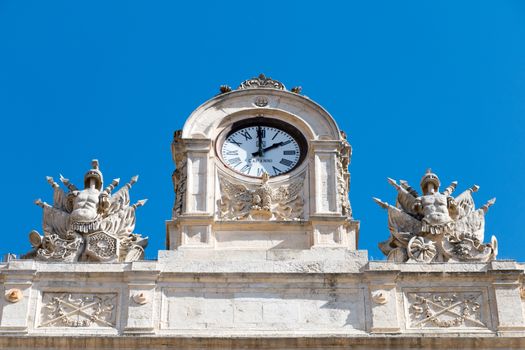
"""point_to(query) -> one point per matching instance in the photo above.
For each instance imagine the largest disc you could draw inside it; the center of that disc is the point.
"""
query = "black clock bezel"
(269, 122)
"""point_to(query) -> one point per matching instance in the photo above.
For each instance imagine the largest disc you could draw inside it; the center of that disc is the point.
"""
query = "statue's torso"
(435, 209)
(85, 205)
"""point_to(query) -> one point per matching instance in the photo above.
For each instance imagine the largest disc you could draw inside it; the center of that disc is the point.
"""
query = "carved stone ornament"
(261, 202)
(14, 295)
(90, 224)
(434, 226)
(78, 310)
(140, 298)
(380, 297)
(261, 101)
(445, 310)
(343, 176)
(261, 82)
(179, 175)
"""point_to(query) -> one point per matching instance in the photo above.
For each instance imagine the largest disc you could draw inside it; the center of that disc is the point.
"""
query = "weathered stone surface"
(318, 293)
(261, 262)
(90, 224)
(435, 226)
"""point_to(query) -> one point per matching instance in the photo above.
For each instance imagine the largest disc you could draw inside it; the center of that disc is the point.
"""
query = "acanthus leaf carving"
(261, 202)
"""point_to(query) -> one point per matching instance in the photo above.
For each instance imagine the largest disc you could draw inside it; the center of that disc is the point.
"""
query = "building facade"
(261, 251)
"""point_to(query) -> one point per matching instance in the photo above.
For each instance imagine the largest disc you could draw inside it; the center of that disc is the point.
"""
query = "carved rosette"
(101, 246)
(78, 310)
(445, 310)
(421, 249)
(261, 82)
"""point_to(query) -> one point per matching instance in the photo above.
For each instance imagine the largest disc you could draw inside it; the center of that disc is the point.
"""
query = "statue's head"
(428, 181)
(94, 174)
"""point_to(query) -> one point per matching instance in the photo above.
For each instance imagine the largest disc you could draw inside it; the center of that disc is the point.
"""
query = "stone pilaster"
(17, 296)
(141, 298)
(507, 302)
(383, 304)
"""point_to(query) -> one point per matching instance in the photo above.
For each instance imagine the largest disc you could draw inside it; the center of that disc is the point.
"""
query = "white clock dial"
(255, 150)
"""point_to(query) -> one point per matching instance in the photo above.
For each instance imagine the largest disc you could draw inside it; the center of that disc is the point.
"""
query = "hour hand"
(275, 145)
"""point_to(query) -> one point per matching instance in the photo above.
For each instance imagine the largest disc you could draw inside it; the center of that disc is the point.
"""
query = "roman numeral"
(231, 153)
(263, 133)
(286, 162)
(276, 170)
(235, 142)
(259, 172)
(289, 153)
(274, 136)
(286, 142)
(246, 135)
(246, 169)
(235, 161)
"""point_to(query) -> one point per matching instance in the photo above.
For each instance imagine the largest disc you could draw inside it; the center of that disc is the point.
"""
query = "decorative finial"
(225, 88)
(297, 89)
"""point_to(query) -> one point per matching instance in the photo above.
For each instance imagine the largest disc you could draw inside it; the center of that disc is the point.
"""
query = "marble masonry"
(261, 250)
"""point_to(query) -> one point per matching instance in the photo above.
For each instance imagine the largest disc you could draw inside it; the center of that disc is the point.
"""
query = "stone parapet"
(317, 298)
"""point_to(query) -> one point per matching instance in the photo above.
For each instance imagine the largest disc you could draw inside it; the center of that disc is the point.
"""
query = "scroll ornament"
(90, 224)
(435, 226)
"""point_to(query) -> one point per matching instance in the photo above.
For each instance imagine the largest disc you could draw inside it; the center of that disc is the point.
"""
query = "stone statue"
(90, 224)
(435, 226)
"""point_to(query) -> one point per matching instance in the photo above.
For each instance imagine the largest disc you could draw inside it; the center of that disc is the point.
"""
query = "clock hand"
(259, 137)
(275, 145)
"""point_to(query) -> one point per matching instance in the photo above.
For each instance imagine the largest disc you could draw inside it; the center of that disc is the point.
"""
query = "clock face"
(257, 149)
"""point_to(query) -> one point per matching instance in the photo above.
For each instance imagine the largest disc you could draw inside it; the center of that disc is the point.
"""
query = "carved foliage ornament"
(261, 82)
(434, 226)
(343, 175)
(180, 174)
(263, 201)
(78, 310)
(445, 310)
(92, 224)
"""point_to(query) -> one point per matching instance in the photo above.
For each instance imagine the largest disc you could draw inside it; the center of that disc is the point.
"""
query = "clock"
(263, 145)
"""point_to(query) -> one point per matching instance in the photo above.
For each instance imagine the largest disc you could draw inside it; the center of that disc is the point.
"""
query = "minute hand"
(275, 145)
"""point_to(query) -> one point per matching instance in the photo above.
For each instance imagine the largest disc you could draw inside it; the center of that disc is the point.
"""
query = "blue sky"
(415, 84)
